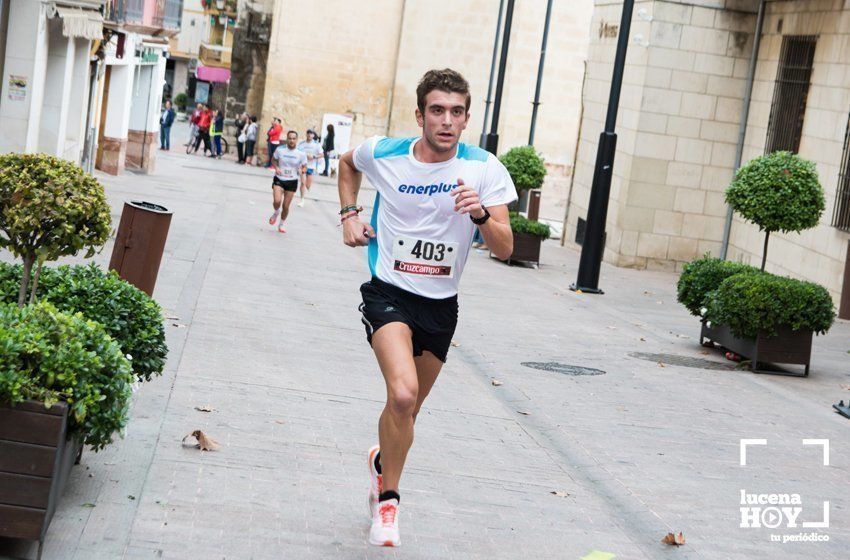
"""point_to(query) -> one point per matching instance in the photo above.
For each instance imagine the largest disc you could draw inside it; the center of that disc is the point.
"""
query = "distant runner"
(289, 166)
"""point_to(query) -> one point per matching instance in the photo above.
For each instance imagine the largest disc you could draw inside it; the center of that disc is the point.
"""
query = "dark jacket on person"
(168, 118)
(328, 143)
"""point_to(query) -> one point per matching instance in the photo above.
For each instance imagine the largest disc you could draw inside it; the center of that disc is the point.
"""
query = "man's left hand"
(467, 201)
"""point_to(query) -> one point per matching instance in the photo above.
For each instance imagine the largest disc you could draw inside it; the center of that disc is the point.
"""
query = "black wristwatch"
(482, 219)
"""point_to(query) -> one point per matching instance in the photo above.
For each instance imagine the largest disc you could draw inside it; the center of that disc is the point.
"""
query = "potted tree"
(527, 171)
(754, 314)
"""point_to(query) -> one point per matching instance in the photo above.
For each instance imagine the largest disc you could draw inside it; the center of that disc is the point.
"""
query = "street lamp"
(597, 210)
(490, 141)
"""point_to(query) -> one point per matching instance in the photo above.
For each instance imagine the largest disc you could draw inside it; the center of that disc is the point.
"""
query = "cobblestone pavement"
(264, 328)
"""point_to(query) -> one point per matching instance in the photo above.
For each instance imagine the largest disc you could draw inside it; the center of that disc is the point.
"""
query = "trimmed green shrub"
(748, 303)
(525, 167)
(703, 275)
(180, 100)
(777, 192)
(49, 208)
(521, 224)
(129, 315)
(48, 356)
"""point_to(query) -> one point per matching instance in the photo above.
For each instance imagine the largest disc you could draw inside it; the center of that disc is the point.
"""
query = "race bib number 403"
(424, 257)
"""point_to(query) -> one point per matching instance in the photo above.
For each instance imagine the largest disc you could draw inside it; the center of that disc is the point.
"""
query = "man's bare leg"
(277, 197)
(305, 188)
(428, 367)
(393, 346)
(284, 212)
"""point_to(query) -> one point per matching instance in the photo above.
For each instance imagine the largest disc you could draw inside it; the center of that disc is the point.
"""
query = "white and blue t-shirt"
(289, 162)
(421, 243)
(311, 149)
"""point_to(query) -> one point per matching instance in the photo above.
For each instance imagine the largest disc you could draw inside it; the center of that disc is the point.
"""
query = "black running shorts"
(289, 186)
(432, 321)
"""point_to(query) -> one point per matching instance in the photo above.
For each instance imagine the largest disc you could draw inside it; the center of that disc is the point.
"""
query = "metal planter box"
(787, 347)
(35, 460)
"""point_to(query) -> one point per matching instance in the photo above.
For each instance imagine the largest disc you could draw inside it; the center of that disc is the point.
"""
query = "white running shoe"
(384, 531)
(301, 203)
(376, 482)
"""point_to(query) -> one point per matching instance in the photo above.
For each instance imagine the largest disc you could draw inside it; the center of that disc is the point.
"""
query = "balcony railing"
(146, 16)
(214, 55)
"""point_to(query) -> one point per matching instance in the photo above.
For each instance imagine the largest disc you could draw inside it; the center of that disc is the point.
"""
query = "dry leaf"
(524, 413)
(642, 339)
(204, 442)
(178, 325)
(660, 364)
(580, 292)
(205, 408)
(278, 422)
(677, 540)
(455, 344)
(496, 382)
(172, 318)
(682, 336)
(559, 493)
(846, 387)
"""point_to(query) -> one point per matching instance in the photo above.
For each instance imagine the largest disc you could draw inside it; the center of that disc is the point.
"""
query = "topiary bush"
(777, 192)
(748, 303)
(180, 100)
(48, 356)
(129, 315)
(703, 275)
(49, 208)
(521, 224)
(525, 166)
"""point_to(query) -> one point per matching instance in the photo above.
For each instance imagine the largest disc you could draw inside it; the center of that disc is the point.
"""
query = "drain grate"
(684, 361)
(565, 369)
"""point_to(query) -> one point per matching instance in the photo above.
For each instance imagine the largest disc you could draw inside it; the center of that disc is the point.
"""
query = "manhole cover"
(684, 361)
(563, 368)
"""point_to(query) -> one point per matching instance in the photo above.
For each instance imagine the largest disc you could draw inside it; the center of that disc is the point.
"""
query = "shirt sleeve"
(364, 156)
(497, 187)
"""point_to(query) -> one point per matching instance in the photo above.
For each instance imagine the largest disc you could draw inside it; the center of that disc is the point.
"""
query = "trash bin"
(140, 242)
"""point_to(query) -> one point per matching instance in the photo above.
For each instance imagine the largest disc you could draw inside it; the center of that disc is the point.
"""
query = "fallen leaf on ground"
(682, 336)
(278, 422)
(642, 339)
(846, 387)
(559, 493)
(677, 540)
(205, 408)
(88, 505)
(172, 317)
(495, 382)
(661, 364)
(580, 292)
(455, 344)
(646, 293)
(524, 413)
(204, 442)
(132, 497)
(178, 325)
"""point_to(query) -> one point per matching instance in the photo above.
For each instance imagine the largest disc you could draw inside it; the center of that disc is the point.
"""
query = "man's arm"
(354, 232)
(496, 230)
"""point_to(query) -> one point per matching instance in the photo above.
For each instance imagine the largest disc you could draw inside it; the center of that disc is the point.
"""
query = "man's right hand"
(355, 233)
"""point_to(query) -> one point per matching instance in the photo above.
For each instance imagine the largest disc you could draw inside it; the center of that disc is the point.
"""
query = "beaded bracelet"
(351, 208)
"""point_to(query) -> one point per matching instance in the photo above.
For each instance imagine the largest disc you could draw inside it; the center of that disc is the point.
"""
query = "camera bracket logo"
(773, 511)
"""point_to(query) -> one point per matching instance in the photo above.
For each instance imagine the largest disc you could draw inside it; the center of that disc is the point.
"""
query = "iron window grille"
(793, 77)
(841, 213)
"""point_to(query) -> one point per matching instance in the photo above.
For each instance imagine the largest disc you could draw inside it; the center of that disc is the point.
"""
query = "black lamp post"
(597, 211)
(490, 141)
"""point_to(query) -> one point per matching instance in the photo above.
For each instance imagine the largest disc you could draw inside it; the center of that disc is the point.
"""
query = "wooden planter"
(526, 249)
(35, 459)
(787, 347)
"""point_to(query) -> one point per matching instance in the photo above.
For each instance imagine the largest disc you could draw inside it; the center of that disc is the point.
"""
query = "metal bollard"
(140, 242)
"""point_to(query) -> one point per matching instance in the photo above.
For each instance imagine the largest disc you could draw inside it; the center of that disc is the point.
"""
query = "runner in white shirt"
(313, 150)
(289, 166)
(432, 191)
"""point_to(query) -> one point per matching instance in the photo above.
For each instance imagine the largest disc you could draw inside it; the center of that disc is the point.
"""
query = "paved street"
(264, 328)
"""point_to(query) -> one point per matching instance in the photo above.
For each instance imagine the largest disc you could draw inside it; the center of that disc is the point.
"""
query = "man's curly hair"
(444, 80)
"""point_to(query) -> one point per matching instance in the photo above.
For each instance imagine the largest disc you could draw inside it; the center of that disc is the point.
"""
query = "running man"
(289, 166)
(432, 192)
(313, 150)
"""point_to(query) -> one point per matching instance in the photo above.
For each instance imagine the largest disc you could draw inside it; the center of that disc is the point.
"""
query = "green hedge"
(703, 275)
(521, 224)
(48, 356)
(525, 166)
(749, 303)
(129, 315)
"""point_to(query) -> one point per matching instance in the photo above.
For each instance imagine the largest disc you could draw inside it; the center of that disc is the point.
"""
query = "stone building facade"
(680, 113)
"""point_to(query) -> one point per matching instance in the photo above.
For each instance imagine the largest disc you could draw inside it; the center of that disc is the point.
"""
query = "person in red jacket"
(273, 134)
(204, 122)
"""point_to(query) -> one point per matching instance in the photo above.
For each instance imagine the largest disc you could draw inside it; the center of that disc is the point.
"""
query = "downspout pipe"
(742, 128)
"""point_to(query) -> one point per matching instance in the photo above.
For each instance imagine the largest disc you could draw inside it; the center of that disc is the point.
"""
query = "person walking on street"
(432, 191)
(165, 122)
(328, 147)
(251, 140)
(241, 128)
(216, 132)
(313, 151)
(273, 135)
(290, 165)
(204, 124)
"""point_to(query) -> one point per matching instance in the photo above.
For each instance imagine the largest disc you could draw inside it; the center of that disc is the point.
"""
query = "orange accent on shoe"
(388, 513)
(388, 543)
(380, 484)
(281, 229)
